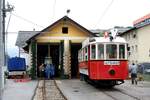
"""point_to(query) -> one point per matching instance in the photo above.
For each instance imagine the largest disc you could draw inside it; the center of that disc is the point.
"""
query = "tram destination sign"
(111, 62)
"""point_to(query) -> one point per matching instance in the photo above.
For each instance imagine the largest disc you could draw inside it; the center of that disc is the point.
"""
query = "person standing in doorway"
(134, 73)
(47, 71)
(42, 71)
(50, 71)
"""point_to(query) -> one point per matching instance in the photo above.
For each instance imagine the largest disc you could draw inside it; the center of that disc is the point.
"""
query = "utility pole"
(1, 47)
(3, 11)
(8, 8)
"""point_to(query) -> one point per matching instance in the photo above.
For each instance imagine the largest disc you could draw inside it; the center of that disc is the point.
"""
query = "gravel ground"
(39, 91)
(48, 90)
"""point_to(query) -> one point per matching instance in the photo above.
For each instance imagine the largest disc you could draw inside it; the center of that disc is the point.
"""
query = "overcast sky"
(91, 14)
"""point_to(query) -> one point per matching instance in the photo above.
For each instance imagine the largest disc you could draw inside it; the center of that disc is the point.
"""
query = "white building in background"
(138, 39)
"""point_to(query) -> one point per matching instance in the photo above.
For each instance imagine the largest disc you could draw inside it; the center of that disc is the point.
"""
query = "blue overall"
(49, 71)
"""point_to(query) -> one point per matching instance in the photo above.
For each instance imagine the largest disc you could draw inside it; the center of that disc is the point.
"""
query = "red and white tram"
(103, 60)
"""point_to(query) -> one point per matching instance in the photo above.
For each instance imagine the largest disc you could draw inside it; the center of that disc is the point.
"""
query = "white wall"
(142, 41)
(144, 44)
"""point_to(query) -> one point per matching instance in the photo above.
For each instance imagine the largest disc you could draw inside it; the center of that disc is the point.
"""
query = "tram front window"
(100, 51)
(111, 51)
(122, 51)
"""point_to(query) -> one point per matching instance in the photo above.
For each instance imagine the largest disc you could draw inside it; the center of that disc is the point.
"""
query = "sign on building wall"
(145, 20)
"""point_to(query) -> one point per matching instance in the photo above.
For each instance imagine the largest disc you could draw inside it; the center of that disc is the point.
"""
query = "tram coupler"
(119, 82)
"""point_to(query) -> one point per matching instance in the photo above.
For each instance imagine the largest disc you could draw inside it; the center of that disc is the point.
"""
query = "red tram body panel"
(99, 71)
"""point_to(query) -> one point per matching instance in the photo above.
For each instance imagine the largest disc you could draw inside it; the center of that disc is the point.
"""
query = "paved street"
(75, 89)
(79, 90)
(19, 90)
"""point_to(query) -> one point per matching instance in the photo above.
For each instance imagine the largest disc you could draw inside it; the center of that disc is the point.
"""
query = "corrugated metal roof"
(23, 36)
(130, 29)
(97, 31)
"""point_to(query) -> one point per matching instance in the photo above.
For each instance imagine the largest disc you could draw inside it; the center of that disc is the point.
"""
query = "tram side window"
(79, 56)
(93, 51)
(100, 51)
(86, 54)
(122, 51)
(82, 52)
(111, 51)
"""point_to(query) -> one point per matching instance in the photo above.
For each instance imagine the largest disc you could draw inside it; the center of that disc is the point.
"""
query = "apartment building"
(138, 39)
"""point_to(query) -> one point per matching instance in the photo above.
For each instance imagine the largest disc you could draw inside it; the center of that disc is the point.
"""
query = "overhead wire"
(31, 22)
(20, 17)
(54, 8)
(8, 22)
(104, 12)
(24, 19)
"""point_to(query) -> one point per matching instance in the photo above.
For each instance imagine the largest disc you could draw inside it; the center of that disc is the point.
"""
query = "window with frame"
(79, 56)
(121, 51)
(136, 48)
(93, 51)
(86, 53)
(100, 51)
(111, 51)
(82, 56)
(65, 30)
(129, 50)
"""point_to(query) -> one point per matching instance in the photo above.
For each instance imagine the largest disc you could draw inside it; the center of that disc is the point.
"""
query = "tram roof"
(102, 40)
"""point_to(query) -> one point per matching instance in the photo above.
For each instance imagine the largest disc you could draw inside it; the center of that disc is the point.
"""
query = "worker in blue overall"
(49, 69)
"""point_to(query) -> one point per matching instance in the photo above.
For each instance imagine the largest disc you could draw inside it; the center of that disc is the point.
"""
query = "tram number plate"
(111, 62)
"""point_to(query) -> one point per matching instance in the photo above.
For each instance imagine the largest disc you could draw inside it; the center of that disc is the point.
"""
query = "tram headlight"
(112, 72)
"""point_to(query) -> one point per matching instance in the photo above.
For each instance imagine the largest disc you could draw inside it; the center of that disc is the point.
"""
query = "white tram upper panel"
(93, 40)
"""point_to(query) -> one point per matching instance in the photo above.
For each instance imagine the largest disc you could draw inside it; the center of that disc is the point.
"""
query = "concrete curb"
(32, 98)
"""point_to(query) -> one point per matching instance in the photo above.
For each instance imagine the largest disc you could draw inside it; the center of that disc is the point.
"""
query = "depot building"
(60, 42)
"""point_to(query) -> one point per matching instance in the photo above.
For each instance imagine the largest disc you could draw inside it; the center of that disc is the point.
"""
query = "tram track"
(111, 92)
(129, 95)
(48, 90)
(117, 94)
(52, 91)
